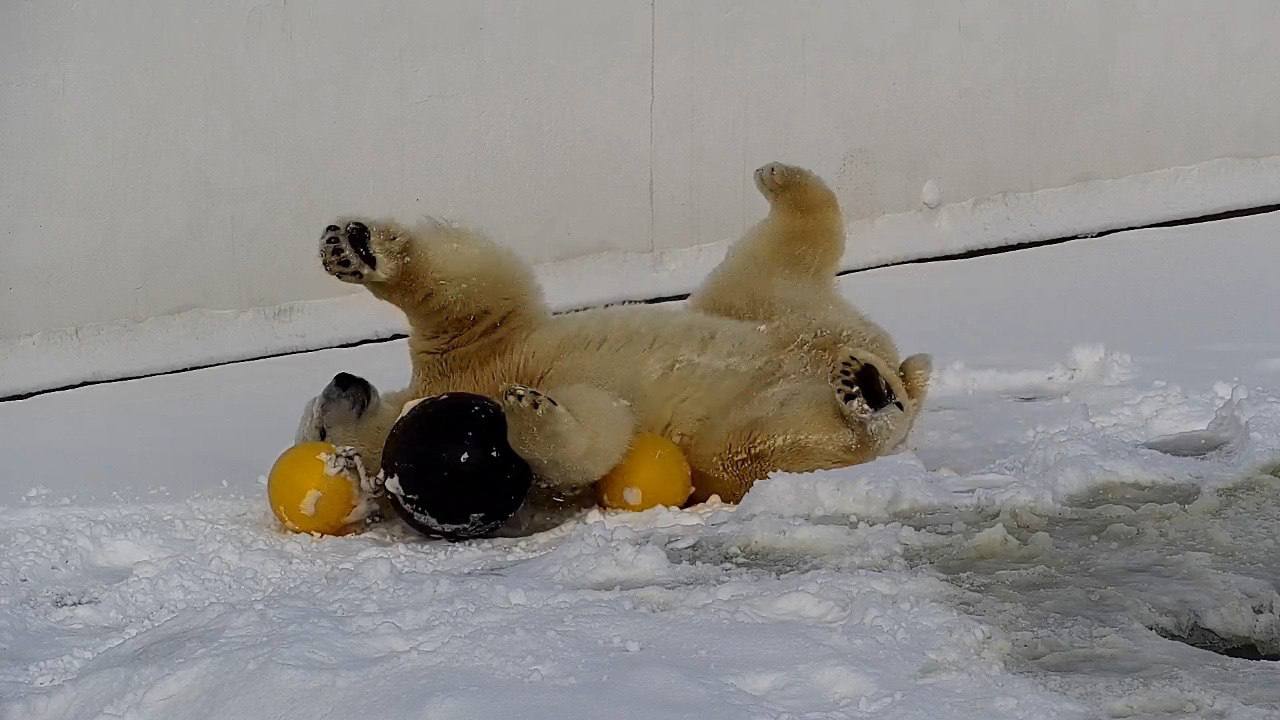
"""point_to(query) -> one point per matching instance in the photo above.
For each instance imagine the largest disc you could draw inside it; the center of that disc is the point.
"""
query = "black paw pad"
(874, 388)
(358, 238)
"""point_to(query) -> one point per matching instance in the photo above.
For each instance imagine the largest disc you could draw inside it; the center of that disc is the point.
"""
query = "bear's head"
(349, 412)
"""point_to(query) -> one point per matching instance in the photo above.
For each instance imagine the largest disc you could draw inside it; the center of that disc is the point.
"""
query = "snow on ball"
(654, 472)
(309, 494)
(449, 469)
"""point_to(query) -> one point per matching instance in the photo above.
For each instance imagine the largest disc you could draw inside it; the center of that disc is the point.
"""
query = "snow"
(633, 496)
(1096, 478)
(1082, 208)
(308, 505)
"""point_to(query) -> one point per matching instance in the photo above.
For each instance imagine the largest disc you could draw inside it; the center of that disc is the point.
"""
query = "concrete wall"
(169, 156)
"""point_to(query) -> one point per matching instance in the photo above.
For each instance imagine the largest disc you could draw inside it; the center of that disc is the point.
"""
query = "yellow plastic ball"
(654, 472)
(305, 497)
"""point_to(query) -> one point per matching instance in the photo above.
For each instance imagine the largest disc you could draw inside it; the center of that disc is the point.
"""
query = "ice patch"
(1094, 597)
(1227, 429)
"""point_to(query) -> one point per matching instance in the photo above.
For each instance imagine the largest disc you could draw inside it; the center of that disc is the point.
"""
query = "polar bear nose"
(345, 381)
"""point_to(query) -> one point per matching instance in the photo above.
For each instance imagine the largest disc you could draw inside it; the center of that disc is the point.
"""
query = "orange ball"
(654, 472)
(305, 497)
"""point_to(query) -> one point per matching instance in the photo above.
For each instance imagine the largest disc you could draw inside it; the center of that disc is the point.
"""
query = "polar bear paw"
(863, 390)
(546, 435)
(795, 189)
(523, 398)
(348, 254)
(775, 179)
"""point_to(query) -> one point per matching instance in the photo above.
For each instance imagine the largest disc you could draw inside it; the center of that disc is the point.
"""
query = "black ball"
(450, 471)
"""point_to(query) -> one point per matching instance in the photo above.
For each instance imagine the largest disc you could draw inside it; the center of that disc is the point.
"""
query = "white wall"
(181, 156)
(981, 97)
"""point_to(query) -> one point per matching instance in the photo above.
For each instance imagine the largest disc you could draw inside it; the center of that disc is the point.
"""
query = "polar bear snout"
(335, 414)
(346, 397)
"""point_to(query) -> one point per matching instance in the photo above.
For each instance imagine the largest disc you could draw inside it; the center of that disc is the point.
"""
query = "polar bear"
(766, 369)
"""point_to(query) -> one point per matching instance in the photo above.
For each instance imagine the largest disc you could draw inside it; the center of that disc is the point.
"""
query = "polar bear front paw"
(862, 390)
(347, 252)
(572, 441)
(541, 431)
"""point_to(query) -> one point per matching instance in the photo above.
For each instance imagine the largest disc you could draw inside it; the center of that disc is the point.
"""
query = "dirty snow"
(1090, 501)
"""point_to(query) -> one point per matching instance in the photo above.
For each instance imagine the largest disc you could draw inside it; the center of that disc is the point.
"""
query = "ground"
(1092, 484)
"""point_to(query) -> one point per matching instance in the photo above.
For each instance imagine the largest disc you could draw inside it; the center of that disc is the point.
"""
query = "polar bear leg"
(803, 237)
(454, 286)
(786, 263)
(571, 435)
(801, 428)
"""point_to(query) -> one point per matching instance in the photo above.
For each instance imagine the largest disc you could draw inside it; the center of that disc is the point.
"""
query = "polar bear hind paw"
(862, 390)
(776, 178)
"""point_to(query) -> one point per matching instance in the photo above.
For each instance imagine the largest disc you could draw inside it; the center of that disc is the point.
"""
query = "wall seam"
(653, 59)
